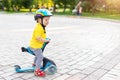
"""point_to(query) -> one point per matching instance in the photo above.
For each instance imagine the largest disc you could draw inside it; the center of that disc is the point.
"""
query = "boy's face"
(46, 21)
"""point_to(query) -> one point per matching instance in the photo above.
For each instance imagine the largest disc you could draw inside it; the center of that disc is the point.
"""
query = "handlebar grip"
(48, 39)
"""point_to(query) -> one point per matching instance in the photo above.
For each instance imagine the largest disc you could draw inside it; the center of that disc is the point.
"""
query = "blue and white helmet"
(40, 13)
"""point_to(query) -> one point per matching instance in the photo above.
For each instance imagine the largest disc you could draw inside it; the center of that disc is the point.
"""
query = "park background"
(90, 8)
(84, 47)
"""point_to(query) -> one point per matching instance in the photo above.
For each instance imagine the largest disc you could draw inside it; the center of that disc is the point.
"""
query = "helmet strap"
(43, 24)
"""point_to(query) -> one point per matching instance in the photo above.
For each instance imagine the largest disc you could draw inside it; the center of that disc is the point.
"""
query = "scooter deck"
(49, 69)
(28, 69)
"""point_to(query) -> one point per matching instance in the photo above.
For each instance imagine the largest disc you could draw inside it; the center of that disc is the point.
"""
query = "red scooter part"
(40, 73)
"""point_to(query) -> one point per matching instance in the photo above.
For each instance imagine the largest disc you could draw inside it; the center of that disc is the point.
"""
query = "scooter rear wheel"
(17, 67)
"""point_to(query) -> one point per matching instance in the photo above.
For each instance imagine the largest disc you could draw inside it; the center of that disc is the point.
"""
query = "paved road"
(83, 48)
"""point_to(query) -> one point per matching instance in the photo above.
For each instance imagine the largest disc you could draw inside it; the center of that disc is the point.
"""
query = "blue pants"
(38, 57)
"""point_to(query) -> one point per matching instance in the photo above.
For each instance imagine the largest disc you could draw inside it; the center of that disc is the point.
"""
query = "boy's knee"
(39, 57)
(38, 53)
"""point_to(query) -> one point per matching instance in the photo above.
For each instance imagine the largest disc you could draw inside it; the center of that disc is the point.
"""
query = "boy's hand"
(47, 41)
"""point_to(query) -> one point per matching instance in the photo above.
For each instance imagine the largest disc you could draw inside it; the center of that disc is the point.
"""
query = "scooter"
(49, 66)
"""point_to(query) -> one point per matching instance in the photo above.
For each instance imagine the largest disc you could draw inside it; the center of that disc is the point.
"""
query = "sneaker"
(40, 73)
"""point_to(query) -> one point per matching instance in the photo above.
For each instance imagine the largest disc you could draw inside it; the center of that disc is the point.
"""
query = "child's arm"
(42, 39)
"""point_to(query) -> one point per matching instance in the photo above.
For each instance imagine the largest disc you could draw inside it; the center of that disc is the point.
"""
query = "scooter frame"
(48, 66)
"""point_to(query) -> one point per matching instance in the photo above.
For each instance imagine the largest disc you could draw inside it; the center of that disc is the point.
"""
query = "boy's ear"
(39, 20)
(35, 17)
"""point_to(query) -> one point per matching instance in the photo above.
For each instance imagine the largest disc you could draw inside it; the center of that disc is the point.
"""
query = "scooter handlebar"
(47, 38)
(44, 45)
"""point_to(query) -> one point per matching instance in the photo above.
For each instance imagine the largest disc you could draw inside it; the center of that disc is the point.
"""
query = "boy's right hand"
(47, 41)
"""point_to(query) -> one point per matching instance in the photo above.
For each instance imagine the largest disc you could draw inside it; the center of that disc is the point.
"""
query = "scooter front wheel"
(50, 70)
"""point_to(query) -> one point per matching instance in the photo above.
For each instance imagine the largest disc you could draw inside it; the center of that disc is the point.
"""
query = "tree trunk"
(64, 8)
(54, 8)
(2, 8)
(30, 10)
(18, 9)
(93, 11)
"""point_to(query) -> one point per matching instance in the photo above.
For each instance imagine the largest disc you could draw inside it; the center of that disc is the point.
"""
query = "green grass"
(21, 11)
(69, 13)
(87, 14)
(103, 15)
(61, 13)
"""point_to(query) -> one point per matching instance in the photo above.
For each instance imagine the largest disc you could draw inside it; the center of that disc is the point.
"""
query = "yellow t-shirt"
(38, 32)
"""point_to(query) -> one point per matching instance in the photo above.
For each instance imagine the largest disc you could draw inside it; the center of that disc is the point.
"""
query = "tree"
(28, 4)
(65, 4)
(91, 5)
(16, 5)
(62, 3)
(54, 5)
(6, 4)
